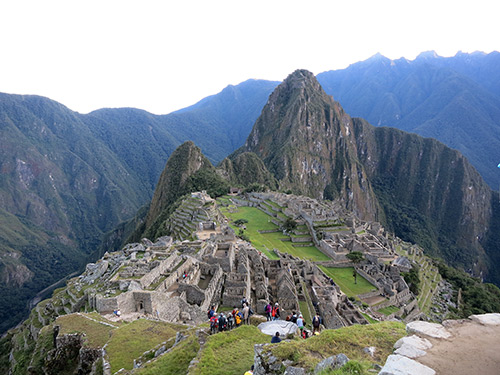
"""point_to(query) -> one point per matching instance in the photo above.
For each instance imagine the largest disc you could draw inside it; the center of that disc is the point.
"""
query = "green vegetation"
(134, 338)
(174, 362)
(260, 221)
(96, 333)
(344, 279)
(412, 279)
(388, 310)
(476, 297)
(348, 340)
(230, 352)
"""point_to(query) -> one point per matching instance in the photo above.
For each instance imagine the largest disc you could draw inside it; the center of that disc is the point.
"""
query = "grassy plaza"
(344, 278)
(265, 242)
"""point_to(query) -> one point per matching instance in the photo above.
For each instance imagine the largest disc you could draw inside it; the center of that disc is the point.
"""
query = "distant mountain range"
(455, 100)
(67, 178)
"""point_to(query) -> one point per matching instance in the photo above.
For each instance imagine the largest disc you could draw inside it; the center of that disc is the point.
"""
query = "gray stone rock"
(433, 330)
(295, 371)
(415, 341)
(370, 350)
(282, 326)
(162, 349)
(134, 285)
(486, 319)
(123, 285)
(410, 351)
(341, 360)
(399, 365)
(331, 363)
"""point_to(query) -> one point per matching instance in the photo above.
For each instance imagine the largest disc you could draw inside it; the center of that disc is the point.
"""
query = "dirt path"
(473, 349)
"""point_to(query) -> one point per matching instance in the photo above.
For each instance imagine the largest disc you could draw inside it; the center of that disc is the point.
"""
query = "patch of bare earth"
(473, 349)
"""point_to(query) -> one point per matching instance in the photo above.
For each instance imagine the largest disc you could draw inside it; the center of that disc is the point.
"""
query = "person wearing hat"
(276, 311)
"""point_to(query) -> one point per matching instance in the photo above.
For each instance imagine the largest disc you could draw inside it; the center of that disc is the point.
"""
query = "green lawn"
(265, 242)
(344, 279)
(388, 310)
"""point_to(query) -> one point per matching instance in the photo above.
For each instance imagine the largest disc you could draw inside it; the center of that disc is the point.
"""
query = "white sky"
(161, 56)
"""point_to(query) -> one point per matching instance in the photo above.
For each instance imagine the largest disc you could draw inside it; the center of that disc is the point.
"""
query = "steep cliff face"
(245, 169)
(306, 141)
(438, 183)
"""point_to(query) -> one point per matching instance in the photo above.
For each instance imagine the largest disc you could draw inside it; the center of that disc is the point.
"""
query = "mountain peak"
(427, 55)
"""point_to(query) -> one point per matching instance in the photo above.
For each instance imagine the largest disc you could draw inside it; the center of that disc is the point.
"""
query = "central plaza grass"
(265, 242)
(343, 277)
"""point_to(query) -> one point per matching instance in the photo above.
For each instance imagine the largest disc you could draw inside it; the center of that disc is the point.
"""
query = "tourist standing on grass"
(222, 322)
(250, 372)
(246, 313)
(276, 338)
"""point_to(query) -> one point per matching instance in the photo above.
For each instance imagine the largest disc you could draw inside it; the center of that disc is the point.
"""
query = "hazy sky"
(165, 55)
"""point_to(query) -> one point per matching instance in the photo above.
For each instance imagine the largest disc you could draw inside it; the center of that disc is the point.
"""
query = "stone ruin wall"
(157, 272)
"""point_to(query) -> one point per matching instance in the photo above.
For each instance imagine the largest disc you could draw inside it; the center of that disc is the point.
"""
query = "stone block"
(486, 319)
(433, 330)
(399, 365)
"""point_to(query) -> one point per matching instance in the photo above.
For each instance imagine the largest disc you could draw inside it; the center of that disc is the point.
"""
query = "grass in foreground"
(344, 279)
(349, 340)
(230, 352)
(133, 339)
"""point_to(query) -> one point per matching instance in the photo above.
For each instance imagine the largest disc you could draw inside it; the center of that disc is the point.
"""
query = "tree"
(240, 222)
(356, 257)
(289, 224)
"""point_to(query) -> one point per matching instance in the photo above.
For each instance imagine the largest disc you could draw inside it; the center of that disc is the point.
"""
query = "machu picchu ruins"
(203, 263)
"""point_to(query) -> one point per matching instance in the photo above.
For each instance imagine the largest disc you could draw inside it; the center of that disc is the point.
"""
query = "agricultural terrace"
(429, 278)
(344, 278)
(265, 242)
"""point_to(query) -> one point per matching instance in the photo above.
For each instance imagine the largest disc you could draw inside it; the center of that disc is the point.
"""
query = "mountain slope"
(305, 140)
(428, 192)
(450, 99)
(70, 177)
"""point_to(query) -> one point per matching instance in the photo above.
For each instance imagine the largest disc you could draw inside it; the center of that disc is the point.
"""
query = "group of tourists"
(235, 318)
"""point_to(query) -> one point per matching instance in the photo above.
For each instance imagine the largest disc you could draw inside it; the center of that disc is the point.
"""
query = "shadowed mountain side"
(455, 100)
(245, 169)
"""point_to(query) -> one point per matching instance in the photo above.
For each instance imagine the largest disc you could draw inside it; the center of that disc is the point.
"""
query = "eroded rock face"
(71, 356)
